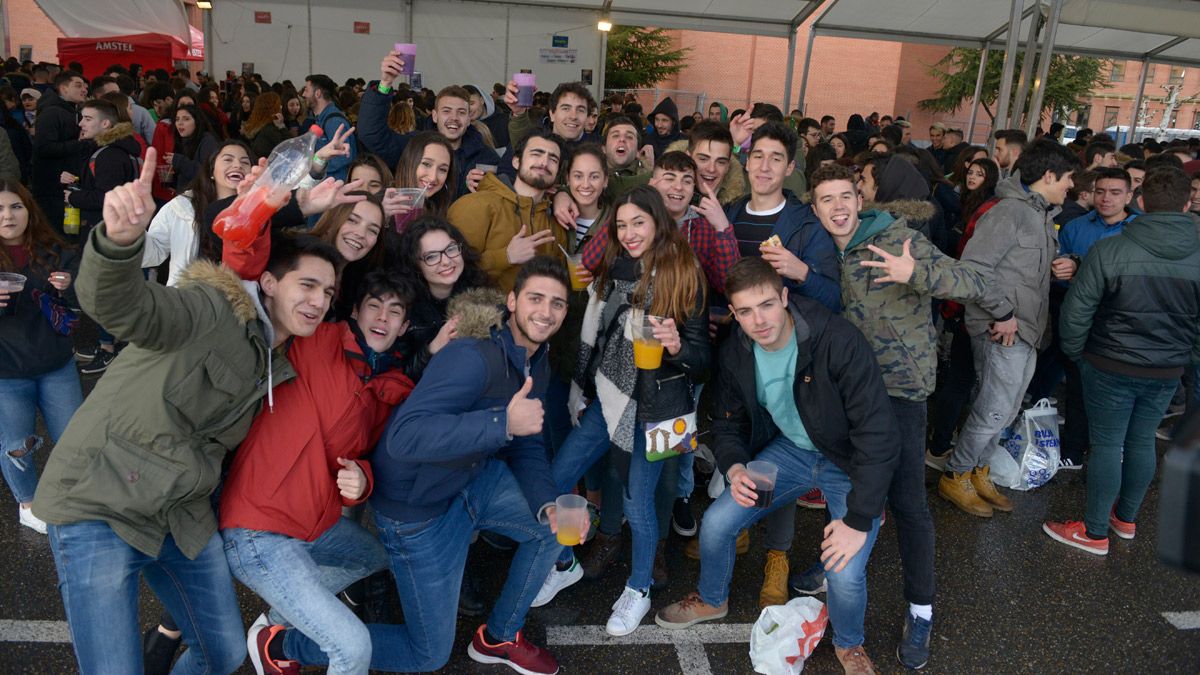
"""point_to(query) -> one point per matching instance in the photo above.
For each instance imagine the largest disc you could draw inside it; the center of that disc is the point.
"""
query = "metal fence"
(687, 102)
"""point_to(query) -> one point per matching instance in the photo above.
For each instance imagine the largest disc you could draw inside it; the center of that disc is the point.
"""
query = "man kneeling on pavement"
(798, 387)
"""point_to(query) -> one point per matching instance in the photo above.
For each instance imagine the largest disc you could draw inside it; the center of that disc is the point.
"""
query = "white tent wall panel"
(457, 42)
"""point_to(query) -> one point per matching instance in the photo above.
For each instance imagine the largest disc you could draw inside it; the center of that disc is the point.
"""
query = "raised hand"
(390, 68)
(510, 98)
(525, 414)
(710, 207)
(897, 268)
(328, 194)
(523, 248)
(337, 145)
(129, 208)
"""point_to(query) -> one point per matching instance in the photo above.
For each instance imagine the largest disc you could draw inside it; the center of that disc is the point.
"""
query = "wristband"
(383, 88)
(318, 162)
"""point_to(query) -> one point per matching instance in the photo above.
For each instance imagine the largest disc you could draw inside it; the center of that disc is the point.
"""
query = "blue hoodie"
(454, 422)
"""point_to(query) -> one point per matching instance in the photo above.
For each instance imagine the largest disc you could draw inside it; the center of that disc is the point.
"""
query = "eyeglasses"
(434, 257)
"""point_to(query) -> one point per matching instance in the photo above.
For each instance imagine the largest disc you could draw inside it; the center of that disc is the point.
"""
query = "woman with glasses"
(441, 263)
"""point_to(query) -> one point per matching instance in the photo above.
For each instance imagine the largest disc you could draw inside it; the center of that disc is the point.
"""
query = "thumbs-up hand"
(128, 208)
(523, 246)
(351, 480)
(524, 413)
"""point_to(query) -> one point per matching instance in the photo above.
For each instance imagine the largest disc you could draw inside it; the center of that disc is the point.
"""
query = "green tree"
(1071, 79)
(640, 57)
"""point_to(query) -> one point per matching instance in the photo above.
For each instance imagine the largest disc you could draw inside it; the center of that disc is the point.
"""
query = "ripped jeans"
(58, 396)
(1004, 374)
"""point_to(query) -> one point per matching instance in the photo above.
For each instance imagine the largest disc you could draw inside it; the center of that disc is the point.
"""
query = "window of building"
(1176, 75)
(1150, 72)
(1111, 114)
(1118, 72)
(1081, 117)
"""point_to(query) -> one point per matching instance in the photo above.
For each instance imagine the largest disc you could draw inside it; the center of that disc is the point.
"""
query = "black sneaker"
(809, 582)
(913, 650)
(158, 651)
(682, 520)
(86, 354)
(99, 363)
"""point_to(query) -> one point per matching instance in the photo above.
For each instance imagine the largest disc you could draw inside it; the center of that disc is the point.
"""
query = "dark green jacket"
(897, 318)
(1136, 299)
(144, 451)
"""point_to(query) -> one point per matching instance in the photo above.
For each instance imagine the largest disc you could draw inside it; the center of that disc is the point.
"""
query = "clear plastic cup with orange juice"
(647, 349)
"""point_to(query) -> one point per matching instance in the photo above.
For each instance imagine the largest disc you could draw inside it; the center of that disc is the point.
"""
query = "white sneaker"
(556, 581)
(628, 612)
(937, 462)
(31, 521)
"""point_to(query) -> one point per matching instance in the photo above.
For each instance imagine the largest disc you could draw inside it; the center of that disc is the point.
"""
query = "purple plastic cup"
(526, 86)
(408, 52)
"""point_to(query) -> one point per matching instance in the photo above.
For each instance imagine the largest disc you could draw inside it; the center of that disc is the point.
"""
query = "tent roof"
(1165, 31)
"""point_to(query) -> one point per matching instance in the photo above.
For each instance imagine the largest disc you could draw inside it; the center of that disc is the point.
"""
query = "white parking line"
(689, 644)
(1183, 620)
(34, 631)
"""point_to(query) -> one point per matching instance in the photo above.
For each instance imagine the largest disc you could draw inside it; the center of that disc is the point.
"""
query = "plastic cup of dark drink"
(763, 474)
(526, 85)
(408, 52)
(11, 284)
(415, 198)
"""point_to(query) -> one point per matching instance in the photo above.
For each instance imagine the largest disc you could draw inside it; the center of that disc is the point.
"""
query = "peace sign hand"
(337, 145)
(899, 269)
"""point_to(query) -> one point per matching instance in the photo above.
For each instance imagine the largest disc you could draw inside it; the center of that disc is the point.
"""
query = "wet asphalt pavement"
(1009, 600)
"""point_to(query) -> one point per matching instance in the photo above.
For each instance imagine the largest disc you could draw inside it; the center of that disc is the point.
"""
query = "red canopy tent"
(152, 50)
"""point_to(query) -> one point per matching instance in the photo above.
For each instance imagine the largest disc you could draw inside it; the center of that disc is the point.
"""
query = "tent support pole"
(812, 34)
(1010, 60)
(1034, 118)
(308, 5)
(1018, 107)
(983, 59)
(791, 69)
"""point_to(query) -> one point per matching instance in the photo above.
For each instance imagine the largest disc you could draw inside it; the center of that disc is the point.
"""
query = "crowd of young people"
(460, 357)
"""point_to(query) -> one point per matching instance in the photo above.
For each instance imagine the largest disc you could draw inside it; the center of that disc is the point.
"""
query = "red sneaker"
(1074, 533)
(1121, 528)
(520, 654)
(258, 639)
(813, 499)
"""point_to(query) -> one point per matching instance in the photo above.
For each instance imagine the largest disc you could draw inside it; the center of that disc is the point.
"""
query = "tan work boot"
(688, 612)
(692, 550)
(855, 661)
(775, 576)
(981, 479)
(957, 489)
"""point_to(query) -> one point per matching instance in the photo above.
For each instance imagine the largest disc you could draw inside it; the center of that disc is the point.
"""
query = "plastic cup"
(487, 168)
(165, 173)
(572, 514)
(11, 284)
(647, 349)
(575, 267)
(763, 474)
(415, 198)
(526, 86)
(408, 52)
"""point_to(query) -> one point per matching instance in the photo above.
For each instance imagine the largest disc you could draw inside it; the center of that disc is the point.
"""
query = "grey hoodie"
(1013, 244)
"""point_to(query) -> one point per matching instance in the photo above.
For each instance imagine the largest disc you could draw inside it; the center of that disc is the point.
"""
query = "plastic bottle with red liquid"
(242, 220)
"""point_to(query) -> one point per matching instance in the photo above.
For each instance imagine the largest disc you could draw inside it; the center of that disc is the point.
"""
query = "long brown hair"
(332, 220)
(39, 240)
(406, 170)
(668, 262)
(263, 112)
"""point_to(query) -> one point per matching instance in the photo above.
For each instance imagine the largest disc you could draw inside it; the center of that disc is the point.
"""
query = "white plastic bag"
(1034, 445)
(1004, 470)
(785, 635)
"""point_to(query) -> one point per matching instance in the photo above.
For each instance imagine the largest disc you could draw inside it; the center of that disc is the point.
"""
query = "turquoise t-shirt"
(775, 372)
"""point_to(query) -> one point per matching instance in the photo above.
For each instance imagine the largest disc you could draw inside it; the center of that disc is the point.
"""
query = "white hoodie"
(172, 233)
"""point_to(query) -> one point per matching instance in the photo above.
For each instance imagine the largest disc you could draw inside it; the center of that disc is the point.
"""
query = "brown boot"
(981, 479)
(692, 550)
(658, 575)
(855, 661)
(775, 576)
(957, 489)
(600, 557)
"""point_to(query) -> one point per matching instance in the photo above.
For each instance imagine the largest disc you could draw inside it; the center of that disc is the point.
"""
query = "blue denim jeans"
(58, 396)
(300, 580)
(427, 561)
(1123, 414)
(98, 578)
(586, 444)
(800, 470)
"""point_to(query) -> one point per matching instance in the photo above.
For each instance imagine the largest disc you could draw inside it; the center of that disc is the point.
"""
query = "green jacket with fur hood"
(898, 318)
(144, 451)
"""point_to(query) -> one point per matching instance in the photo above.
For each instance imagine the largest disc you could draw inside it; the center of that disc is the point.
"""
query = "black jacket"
(114, 163)
(29, 345)
(1134, 306)
(56, 147)
(840, 397)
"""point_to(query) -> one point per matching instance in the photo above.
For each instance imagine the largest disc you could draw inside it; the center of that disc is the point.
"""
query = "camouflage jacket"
(898, 318)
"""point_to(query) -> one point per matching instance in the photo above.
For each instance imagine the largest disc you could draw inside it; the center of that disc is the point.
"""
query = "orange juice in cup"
(577, 270)
(647, 349)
